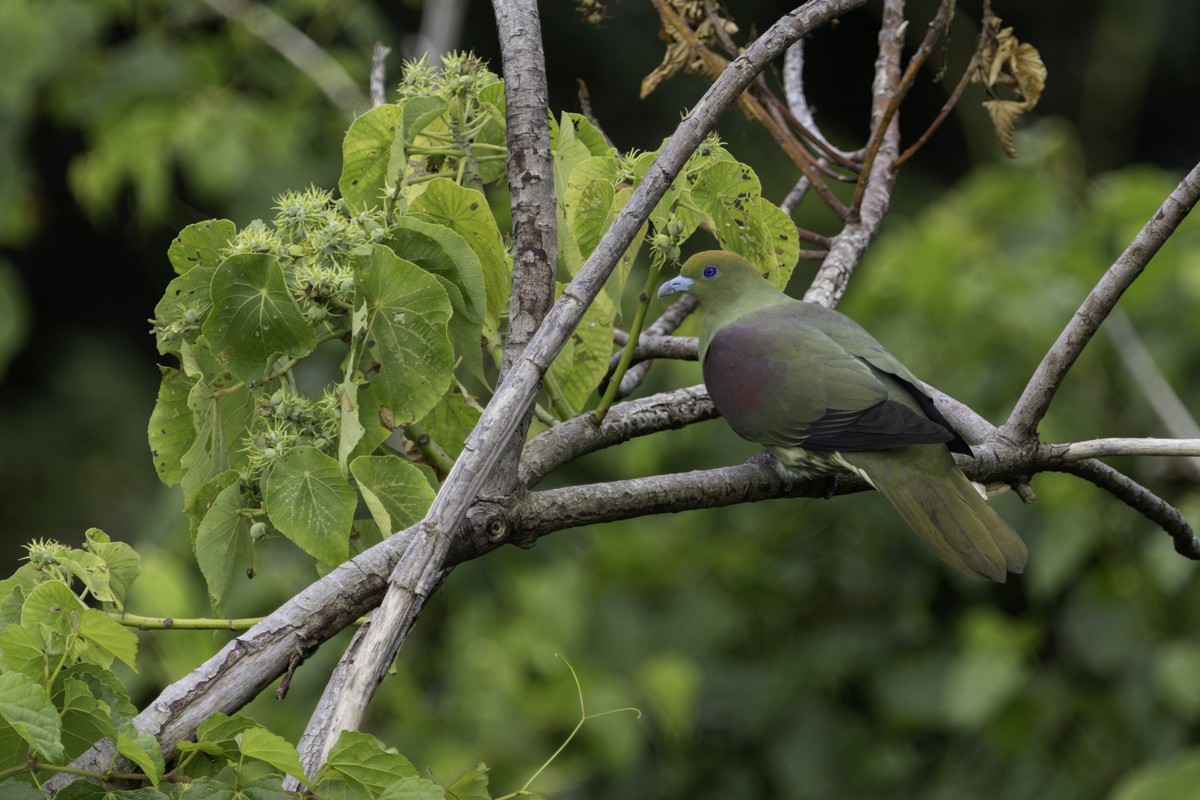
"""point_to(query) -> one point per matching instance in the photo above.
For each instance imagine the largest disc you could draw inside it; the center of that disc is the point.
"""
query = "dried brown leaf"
(1004, 114)
(686, 26)
(1017, 66)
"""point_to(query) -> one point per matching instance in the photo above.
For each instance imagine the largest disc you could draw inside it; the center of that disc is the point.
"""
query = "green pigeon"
(825, 397)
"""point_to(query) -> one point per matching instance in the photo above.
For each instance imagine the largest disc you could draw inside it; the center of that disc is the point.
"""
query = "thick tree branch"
(1035, 400)
(847, 248)
(579, 436)
(530, 174)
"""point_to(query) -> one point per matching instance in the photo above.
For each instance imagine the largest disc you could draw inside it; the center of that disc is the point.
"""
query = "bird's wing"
(780, 381)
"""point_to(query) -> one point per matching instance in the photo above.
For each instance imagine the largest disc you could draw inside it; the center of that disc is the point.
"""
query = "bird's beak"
(677, 285)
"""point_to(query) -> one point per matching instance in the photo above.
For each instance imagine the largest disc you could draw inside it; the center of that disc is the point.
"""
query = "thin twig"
(847, 247)
(947, 107)
(379, 74)
(753, 107)
(667, 322)
(798, 108)
(936, 27)
(1035, 400)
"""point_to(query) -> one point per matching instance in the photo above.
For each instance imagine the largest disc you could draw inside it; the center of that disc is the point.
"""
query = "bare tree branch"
(797, 101)
(934, 32)
(1099, 448)
(1035, 400)
(379, 74)
(291, 43)
(577, 437)
(847, 248)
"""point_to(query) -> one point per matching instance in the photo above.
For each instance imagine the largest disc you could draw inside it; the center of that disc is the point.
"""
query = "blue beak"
(677, 285)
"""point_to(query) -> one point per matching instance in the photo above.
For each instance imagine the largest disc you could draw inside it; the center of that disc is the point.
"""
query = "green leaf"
(590, 136)
(1174, 779)
(408, 315)
(376, 418)
(452, 420)
(21, 651)
(259, 743)
(310, 503)
(440, 251)
(200, 245)
(25, 706)
(222, 539)
(417, 112)
(411, 788)
(254, 318)
(579, 367)
(120, 560)
(12, 790)
(362, 761)
(54, 605)
(589, 214)
(141, 748)
(105, 687)
(466, 212)
(367, 156)
(171, 431)
(86, 790)
(472, 786)
(85, 720)
(186, 300)
(108, 639)
(223, 730)
(221, 423)
(90, 569)
(394, 491)
(350, 429)
(780, 241)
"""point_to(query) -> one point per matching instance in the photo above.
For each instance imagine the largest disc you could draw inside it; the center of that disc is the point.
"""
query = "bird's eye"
(710, 271)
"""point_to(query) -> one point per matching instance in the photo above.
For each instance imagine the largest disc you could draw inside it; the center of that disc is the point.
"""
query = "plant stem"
(635, 333)
(434, 453)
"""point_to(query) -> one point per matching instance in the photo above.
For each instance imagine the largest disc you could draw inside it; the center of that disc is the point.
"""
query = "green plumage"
(824, 397)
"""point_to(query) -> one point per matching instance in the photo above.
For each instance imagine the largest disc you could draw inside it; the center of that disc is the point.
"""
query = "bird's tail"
(943, 507)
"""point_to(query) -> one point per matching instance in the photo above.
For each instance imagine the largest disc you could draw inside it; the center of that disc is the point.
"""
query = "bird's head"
(715, 275)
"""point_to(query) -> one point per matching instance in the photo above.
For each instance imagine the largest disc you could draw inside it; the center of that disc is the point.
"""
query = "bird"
(825, 398)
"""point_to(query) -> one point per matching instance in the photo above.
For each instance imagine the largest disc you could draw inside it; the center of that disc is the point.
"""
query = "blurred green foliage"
(792, 649)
